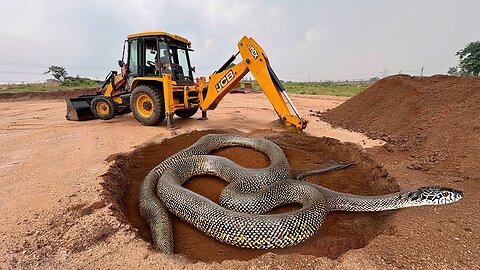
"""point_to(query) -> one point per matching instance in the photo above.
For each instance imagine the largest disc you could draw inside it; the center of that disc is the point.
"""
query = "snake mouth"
(340, 232)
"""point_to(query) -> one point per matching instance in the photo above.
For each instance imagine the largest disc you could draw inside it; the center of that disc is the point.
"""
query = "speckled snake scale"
(241, 217)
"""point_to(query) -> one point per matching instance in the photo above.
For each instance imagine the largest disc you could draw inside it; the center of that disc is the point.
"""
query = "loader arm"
(255, 61)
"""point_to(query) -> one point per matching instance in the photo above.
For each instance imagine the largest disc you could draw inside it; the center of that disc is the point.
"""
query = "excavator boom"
(255, 61)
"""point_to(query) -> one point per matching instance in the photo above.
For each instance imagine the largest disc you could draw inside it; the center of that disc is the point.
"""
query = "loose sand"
(68, 193)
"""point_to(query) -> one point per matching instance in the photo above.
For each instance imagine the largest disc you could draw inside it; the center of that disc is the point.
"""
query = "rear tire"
(147, 105)
(186, 113)
(103, 107)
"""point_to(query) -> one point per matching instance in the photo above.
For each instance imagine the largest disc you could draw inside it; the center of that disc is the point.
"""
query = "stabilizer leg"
(204, 116)
(170, 121)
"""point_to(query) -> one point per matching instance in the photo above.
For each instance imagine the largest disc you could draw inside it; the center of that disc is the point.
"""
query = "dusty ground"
(56, 212)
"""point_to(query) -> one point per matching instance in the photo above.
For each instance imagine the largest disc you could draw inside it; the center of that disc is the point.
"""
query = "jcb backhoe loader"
(157, 82)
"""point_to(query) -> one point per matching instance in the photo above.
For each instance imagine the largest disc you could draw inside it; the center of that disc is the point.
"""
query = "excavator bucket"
(78, 109)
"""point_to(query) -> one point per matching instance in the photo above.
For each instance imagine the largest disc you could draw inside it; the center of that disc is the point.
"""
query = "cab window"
(133, 57)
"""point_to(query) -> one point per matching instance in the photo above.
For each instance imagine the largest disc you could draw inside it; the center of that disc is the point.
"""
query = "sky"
(310, 40)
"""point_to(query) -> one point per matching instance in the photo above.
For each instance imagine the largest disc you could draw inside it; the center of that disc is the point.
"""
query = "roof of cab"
(159, 33)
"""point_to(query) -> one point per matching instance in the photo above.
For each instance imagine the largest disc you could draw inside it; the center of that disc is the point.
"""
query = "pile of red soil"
(436, 119)
(60, 94)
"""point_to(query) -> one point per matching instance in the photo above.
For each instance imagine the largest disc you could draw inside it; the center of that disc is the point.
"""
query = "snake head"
(434, 195)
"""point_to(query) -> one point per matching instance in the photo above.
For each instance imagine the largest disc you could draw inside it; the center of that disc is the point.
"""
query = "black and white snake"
(241, 217)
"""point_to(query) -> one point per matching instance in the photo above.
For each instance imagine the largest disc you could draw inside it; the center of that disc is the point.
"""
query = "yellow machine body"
(255, 61)
(153, 94)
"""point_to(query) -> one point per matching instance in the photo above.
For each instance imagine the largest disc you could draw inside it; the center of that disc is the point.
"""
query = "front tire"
(103, 107)
(147, 105)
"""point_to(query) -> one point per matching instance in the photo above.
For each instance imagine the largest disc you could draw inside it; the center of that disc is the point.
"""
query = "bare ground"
(56, 212)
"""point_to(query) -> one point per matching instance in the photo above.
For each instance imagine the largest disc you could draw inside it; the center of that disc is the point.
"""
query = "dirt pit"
(340, 233)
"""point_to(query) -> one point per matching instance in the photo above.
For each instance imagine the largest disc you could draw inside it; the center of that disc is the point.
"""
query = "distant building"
(52, 81)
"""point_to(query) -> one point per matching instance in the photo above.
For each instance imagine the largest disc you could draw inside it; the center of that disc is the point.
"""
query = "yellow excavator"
(157, 82)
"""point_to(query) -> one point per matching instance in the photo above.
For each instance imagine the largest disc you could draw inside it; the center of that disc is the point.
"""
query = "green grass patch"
(49, 87)
(330, 89)
(346, 89)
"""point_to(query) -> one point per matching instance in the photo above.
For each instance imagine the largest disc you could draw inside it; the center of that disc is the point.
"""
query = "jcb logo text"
(252, 50)
(225, 80)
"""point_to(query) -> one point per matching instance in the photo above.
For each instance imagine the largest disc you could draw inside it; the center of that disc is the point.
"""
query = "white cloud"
(320, 39)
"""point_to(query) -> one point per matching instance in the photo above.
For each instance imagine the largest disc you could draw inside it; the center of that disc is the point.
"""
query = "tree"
(469, 63)
(453, 71)
(456, 71)
(58, 73)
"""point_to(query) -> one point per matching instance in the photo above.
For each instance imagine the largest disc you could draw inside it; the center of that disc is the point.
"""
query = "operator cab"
(153, 54)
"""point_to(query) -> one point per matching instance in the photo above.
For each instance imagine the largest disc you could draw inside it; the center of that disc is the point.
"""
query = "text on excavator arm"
(255, 61)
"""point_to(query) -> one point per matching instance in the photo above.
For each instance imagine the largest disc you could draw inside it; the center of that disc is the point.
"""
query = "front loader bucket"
(78, 109)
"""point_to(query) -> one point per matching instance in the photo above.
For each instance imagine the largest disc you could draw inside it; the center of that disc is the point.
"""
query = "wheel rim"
(102, 108)
(144, 105)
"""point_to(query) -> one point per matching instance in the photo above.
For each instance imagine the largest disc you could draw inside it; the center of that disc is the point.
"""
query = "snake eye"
(445, 193)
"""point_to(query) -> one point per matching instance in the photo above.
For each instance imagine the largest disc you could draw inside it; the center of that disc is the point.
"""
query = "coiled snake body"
(240, 218)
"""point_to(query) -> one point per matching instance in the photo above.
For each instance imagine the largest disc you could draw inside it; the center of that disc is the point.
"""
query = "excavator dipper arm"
(255, 61)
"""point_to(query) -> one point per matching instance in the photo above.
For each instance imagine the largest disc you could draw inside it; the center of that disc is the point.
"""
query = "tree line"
(60, 74)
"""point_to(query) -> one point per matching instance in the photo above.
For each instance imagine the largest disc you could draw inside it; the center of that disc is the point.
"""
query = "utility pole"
(421, 72)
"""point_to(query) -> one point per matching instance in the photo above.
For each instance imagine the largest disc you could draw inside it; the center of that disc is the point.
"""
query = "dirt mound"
(435, 118)
(61, 94)
(341, 232)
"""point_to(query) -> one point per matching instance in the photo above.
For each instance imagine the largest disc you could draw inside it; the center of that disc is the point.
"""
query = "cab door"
(133, 59)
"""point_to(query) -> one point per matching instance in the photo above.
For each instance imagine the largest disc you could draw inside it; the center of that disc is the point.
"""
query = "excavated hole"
(341, 232)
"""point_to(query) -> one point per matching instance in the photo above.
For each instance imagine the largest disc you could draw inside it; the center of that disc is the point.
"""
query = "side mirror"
(193, 69)
(121, 63)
